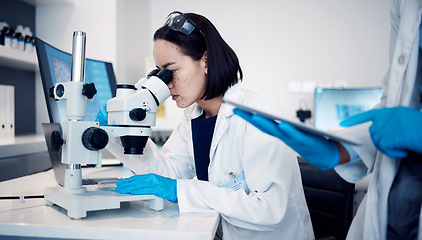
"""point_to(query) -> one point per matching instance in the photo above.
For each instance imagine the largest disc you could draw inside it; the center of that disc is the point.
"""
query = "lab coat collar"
(225, 109)
(222, 123)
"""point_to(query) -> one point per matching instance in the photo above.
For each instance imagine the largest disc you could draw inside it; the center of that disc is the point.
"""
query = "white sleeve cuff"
(354, 157)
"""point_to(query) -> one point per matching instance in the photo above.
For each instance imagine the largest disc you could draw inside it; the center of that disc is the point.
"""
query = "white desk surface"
(33, 218)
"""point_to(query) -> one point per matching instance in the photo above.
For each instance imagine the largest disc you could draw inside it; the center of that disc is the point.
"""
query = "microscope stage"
(77, 205)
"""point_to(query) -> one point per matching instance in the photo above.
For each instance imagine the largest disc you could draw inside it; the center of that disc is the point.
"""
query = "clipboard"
(296, 124)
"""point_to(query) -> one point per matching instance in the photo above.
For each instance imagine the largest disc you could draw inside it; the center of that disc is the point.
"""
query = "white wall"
(56, 23)
(133, 39)
(281, 42)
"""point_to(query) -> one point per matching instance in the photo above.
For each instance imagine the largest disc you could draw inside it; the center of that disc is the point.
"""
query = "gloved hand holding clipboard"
(318, 147)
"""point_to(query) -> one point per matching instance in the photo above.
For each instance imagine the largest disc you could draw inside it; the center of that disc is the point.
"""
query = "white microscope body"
(134, 109)
(132, 112)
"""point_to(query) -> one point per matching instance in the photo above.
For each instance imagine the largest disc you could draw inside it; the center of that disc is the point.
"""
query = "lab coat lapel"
(413, 98)
(222, 123)
(404, 79)
(220, 128)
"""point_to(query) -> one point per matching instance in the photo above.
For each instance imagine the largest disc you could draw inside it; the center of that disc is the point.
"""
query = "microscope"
(134, 109)
(130, 116)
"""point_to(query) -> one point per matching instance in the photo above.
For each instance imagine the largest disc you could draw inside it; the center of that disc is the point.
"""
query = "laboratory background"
(286, 50)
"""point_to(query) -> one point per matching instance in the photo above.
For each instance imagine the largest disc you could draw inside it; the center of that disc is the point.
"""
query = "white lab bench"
(32, 218)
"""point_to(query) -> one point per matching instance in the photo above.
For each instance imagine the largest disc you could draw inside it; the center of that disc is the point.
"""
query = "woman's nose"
(170, 84)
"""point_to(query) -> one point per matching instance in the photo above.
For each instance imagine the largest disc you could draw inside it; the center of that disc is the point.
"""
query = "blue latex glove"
(394, 131)
(316, 150)
(149, 184)
(102, 116)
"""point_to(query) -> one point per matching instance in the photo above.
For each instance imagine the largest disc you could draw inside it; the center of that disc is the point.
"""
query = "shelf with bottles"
(17, 47)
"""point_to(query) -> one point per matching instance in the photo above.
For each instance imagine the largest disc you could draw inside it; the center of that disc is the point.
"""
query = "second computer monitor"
(333, 105)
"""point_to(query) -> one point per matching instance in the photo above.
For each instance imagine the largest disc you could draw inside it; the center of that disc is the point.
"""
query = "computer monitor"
(333, 105)
(55, 66)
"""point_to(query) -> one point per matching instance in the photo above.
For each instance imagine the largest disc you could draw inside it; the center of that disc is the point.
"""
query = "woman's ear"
(205, 59)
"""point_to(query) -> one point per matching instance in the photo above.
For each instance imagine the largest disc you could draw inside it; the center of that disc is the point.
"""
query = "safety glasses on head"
(180, 22)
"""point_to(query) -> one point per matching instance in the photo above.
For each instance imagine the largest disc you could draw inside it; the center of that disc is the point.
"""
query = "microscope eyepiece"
(165, 75)
(153, 73)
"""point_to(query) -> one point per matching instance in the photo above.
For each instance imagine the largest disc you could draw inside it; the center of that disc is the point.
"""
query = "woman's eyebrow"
(166, 65)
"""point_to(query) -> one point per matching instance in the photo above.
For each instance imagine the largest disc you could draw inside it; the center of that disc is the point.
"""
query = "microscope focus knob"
(137, 114)
(56, 141)
(89, 90)
(94, 138)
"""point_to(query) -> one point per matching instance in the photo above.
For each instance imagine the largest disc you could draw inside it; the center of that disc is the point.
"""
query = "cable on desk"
(21, 198)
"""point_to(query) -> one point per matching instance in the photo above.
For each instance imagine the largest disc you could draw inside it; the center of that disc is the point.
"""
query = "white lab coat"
(275, 207)
(400, 88)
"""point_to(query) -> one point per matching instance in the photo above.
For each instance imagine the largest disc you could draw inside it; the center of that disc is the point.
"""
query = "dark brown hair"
(223, 65)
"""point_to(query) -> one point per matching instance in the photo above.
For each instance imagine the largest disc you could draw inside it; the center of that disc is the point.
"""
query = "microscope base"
(78, 205)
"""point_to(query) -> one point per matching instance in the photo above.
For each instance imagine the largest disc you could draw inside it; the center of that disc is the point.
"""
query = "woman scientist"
(221, 162)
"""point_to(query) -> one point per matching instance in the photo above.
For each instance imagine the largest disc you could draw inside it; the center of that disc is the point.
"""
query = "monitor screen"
(333, 105)
(55, 66)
